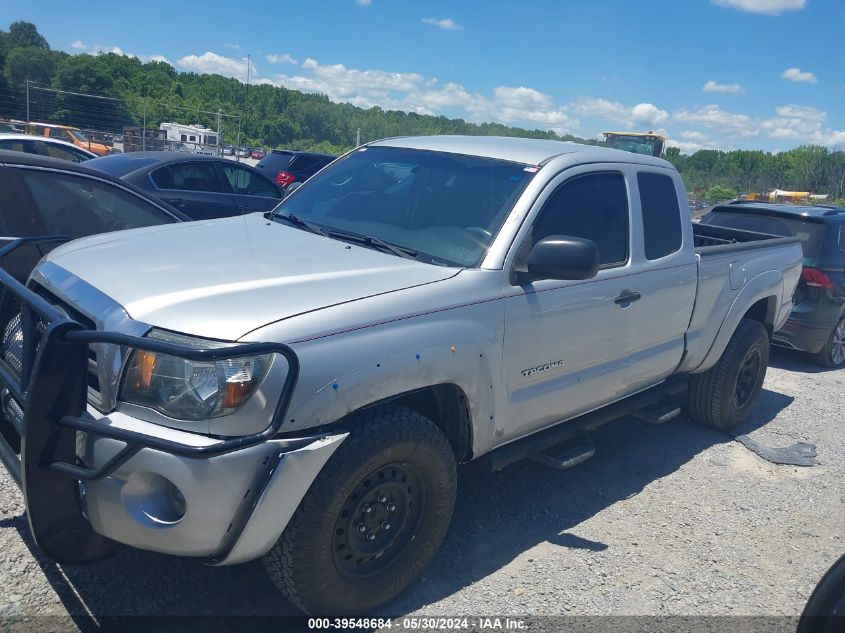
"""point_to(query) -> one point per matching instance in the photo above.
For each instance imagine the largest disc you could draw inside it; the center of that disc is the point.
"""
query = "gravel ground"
(665, 520)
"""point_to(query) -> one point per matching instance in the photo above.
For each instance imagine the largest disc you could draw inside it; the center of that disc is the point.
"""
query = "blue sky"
(759, 74)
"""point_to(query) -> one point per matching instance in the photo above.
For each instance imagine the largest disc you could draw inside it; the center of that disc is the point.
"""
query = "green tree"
(25, 35)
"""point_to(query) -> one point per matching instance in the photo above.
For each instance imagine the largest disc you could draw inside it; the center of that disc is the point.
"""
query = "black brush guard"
(51, 388)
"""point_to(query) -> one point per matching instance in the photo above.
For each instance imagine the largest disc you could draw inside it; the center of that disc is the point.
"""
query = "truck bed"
(709, 238)
(733, 262)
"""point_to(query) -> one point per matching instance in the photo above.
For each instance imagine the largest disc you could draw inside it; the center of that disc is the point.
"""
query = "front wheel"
(723, 395)
(373, 518)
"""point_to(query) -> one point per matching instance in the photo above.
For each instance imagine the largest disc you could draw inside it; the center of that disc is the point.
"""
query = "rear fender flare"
(767, 285)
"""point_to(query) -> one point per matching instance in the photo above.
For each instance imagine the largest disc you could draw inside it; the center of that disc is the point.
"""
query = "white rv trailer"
(191, 138)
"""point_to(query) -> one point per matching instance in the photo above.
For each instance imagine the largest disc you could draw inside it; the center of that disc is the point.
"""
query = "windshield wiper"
(300, 223)
(396, 249)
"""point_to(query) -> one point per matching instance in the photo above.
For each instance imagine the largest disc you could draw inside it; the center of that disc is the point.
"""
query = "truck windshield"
(446, 208)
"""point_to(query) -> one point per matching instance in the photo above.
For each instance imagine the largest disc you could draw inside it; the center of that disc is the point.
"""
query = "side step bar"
(568, 454)
(659, 413)
(566, 430)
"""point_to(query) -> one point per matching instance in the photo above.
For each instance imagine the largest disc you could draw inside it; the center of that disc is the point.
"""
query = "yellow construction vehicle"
(647, 143)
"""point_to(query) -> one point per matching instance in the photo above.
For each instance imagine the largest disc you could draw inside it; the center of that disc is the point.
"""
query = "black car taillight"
(284, 178)
(816, 278)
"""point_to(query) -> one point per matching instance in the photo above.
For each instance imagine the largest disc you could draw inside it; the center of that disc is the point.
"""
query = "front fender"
(767, 285)
(345, 372)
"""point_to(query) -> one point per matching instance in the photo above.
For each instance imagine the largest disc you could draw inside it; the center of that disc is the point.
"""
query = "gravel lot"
(672, 519)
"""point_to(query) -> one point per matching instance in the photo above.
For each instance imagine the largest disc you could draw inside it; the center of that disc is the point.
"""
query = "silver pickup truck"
(300, 385)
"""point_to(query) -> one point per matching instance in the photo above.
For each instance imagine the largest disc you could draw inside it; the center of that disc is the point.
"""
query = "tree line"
(275, 116)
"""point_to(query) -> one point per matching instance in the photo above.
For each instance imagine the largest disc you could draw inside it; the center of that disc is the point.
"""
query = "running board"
(567, 429)
(658, 413)
(568, 454)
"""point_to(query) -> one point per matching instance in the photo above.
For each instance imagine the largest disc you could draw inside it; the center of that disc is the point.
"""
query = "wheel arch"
(447, 406)
(759, 300)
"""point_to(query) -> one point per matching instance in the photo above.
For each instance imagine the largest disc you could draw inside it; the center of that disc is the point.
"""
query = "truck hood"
(224, 278)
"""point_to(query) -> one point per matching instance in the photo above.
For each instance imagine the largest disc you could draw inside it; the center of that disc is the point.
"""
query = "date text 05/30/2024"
(422, 623)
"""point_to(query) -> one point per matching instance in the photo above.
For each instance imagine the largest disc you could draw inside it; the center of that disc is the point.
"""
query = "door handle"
(627, 298)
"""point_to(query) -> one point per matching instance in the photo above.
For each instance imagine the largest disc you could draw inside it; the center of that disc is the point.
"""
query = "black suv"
(817, 322)
(286, 166)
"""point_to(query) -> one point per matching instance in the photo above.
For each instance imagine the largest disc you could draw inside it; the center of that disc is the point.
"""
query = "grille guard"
(52, 390)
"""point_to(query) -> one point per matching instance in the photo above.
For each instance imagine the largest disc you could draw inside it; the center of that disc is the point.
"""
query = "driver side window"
(594, 207)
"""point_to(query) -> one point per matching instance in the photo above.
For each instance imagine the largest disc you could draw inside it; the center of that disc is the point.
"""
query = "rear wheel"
(723, 395)
(372, 520)
(833, 353)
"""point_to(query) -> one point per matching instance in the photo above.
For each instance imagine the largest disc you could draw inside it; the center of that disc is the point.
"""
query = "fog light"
(150, 498)
(177, 499)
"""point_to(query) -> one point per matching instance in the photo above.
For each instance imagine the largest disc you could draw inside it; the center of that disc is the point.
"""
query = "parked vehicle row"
(44, 146)
(201, 187)
(419, 303)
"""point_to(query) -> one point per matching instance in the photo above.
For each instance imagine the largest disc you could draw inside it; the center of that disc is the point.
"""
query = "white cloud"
(714, 118)
(364, 3)
(412, 92)
(799, 76)
(216, 64)
(236, 47)
(642, 113)
(447, 24)
(765, 7)
(153, 58)
(694, 135)
(686, 147)
(712, 86)
(98, 49)
(522, 97)
(78, 45)
(284, 58)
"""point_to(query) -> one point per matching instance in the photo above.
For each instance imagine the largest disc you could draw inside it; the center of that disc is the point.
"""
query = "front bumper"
(89, 479)
(216, 509)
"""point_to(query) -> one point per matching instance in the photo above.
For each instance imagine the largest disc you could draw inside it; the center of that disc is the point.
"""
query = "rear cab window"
(276, 161)
(661, 215)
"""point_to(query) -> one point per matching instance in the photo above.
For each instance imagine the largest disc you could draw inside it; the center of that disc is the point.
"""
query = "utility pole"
(219, 140)
(144, 129)
(27, 106)
(246, 96)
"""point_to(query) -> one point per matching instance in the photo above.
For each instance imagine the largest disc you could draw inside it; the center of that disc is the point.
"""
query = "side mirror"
(292, 187)
(563, 257)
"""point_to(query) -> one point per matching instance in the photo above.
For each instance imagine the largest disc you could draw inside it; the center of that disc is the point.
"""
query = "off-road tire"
(305, 564)
(825, 357)
(711, 398)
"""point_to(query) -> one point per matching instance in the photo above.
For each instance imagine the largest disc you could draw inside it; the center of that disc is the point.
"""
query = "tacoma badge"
(542, 368)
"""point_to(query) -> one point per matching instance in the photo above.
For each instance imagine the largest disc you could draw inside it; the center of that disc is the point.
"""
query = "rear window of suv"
(276, 161)
(811, 234)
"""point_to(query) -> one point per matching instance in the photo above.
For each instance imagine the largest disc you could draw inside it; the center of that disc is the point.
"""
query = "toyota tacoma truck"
(300, 385)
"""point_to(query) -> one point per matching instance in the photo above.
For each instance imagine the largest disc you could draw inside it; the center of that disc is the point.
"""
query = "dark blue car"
(201, 187)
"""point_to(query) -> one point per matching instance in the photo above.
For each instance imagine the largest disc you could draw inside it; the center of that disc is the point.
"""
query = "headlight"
(191, 390)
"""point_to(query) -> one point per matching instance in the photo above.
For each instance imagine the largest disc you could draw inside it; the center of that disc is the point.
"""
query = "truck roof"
(530, 151)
